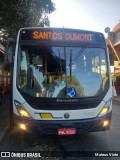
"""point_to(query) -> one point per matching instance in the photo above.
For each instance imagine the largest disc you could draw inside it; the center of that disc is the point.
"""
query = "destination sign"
(63, 35)
(59, 36)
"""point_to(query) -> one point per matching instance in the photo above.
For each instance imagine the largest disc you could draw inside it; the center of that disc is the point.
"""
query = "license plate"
(66, 131)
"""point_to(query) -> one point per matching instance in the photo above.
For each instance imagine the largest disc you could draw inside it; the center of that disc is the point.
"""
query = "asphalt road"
(97, 141)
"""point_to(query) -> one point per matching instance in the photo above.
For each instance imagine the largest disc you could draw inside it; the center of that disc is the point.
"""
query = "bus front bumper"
(51, 127)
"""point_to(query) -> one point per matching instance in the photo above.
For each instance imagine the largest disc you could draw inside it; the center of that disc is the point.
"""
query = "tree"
(15, 14)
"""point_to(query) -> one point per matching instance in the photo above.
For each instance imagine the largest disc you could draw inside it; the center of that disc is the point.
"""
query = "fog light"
(105, 123)
(22, 126)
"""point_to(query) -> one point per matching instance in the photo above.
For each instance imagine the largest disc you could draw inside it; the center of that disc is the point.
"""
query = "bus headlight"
(105, 109)
(22, 112)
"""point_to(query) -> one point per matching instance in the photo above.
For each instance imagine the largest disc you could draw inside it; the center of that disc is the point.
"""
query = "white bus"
(61, 81)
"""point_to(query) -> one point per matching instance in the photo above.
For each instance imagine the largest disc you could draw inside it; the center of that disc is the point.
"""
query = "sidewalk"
(116, 100)
(4, 115)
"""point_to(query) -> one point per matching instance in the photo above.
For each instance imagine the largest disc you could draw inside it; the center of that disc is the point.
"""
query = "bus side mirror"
(10, 54)
(9, 51)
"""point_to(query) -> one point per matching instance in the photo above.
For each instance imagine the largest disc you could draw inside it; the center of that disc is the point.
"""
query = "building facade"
(113, 41)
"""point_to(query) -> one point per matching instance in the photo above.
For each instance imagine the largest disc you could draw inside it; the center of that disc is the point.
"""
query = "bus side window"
(95, 61)
(23, 71)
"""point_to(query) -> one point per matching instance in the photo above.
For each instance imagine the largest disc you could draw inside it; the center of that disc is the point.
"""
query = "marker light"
(46, 115)
(22, 126)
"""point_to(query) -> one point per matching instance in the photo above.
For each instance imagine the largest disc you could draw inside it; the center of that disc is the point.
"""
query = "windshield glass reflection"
(62, 71)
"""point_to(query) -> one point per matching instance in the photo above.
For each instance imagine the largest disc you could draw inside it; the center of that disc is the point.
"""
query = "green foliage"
(15, 14)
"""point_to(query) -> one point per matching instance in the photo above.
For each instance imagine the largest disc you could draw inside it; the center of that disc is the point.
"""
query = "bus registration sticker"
(66, 131)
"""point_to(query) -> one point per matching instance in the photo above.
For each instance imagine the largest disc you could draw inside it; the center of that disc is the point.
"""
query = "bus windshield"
(57, 71)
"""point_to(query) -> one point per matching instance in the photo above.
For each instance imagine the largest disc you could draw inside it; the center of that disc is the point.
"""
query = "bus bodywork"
(61, 81)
